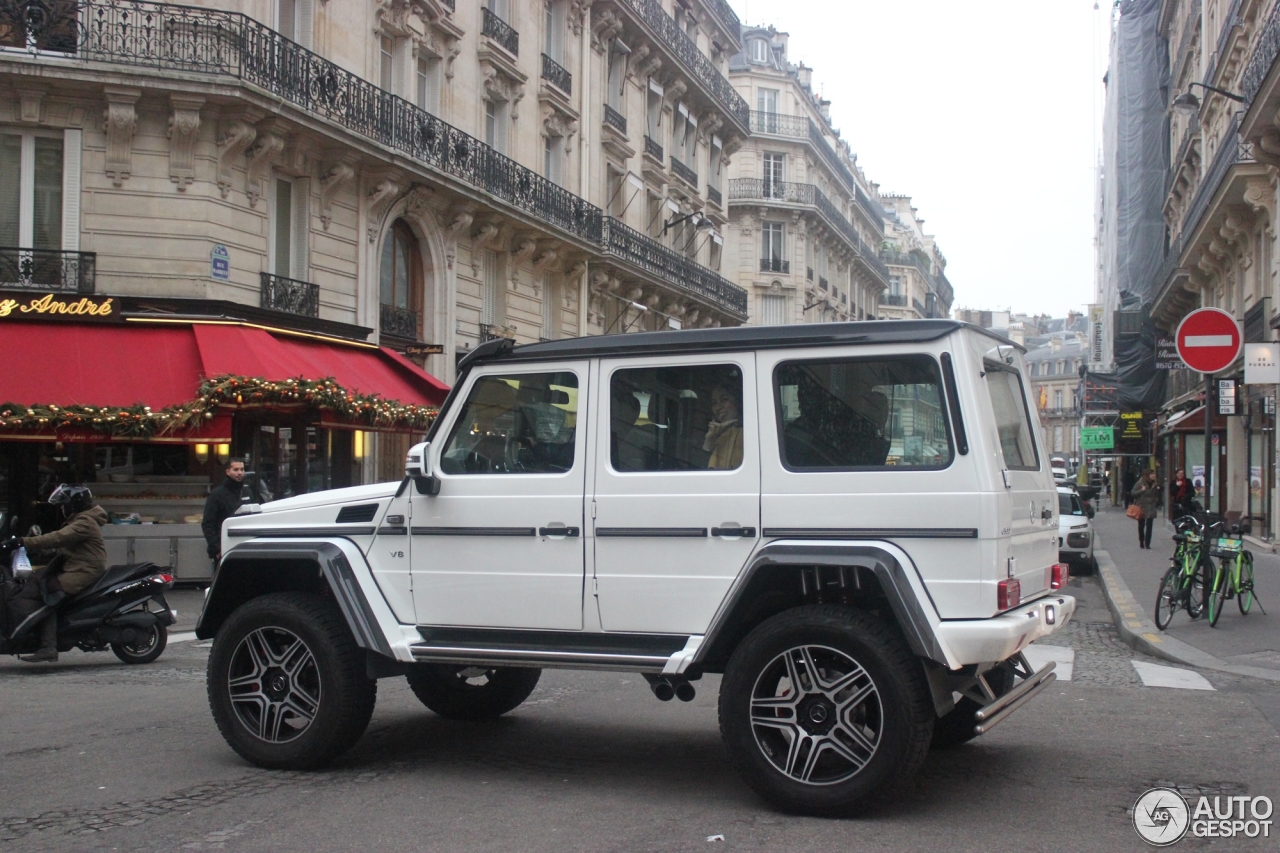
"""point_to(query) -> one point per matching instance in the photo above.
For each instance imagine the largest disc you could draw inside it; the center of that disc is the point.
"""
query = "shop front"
(1182, 438)
(147, 408)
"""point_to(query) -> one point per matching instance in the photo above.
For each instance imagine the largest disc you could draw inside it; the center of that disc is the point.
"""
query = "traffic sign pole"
(1209, 341)
(1208, 444)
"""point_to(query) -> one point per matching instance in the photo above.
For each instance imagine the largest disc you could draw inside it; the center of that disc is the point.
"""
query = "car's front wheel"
(287, 683)
(472, 692)
(825, 710)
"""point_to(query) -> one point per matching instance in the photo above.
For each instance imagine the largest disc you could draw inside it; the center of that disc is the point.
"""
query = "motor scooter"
(124, 610)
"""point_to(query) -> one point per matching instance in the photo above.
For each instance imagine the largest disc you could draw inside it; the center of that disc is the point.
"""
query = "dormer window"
(759, 50)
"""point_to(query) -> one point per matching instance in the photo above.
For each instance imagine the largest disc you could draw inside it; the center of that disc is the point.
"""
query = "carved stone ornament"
(1260, 195)
(486, 235)
(523, 249)
(556, 122)
(502, 86)
(266, 149)
(184, 128)
(120, 119)
(604, 26)
(237, 135)
(338, 175)
(578, 10)
(30, 103)
(418, 202)
(380, 200)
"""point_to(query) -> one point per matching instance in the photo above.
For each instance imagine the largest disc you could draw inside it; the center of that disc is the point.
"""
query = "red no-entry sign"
(1209, 340)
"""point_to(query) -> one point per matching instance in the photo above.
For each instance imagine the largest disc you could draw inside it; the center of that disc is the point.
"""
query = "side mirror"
(416, 468)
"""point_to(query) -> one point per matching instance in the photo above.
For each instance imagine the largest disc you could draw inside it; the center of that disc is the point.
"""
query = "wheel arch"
(781, 576)
(258, 568)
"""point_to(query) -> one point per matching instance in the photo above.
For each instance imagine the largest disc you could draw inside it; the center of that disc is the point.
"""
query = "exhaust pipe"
(661, 687)
(685, 691)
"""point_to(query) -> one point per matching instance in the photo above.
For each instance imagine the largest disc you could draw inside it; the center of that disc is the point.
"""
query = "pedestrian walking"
(1181, 493)
(1146, 496)
(222, 503)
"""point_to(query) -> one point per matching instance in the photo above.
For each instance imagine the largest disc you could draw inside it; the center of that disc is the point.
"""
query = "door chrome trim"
(871, 532)
(474, 531)
(676, 532)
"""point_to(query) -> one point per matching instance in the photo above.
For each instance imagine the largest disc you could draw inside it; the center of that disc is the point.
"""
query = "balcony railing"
(398, 322)
(1231, 150)
(653, 148)
(1264, 56)
(898, 299)
(679, 272)
(1064, 412)
(779, 124)
(828, 154)
(713, 195)
(47, 269)
(916, 304)
(500, 31)
(873, 211)
(615, 119)
(555, 74)
(775, 265)
(698, 66)
(945, 292)
(726, 14)
(290, 295)
(684, 173)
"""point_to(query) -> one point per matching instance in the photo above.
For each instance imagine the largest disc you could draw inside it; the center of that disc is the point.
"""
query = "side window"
(1012, 420)
(676, 418)
(517, 424)
(861, 413)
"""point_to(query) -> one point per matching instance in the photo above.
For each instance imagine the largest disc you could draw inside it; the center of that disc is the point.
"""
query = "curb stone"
(1141, 634)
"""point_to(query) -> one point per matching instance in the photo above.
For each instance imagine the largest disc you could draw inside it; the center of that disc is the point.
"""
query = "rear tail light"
(162, 578)
(1059, 574)
(1008, 594)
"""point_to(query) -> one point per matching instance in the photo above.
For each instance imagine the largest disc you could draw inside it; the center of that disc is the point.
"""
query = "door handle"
(559, 531)
(733, 531)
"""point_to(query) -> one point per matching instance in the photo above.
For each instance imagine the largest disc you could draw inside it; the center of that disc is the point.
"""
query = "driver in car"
(85, 560)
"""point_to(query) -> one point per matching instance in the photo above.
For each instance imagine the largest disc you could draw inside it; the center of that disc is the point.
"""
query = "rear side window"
(837, 415)
(676, 418)
(1012, 420)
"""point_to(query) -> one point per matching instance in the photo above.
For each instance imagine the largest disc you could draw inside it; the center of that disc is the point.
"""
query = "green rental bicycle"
(1182, 586)
(1233, 577)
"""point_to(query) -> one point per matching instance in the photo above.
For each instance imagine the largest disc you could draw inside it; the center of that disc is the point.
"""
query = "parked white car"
(854, 523)
(1075, 533)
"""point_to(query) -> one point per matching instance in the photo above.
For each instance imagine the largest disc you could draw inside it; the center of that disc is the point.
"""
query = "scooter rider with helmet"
(85, 560)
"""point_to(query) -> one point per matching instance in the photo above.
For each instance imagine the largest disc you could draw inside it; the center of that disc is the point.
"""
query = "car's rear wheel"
(472, 692)
(287, 683)
(958, 725)
(825, 710)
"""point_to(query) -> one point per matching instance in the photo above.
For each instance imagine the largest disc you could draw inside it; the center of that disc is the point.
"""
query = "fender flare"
(876, 558)
(332, 565)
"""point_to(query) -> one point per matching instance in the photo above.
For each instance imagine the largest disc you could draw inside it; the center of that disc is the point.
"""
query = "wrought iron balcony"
(1231, 150)
(829, 156)
(779, 124)
(721, 9)
(1265, 51)
(713, 195)
(775, 265)
(615, 119)
(48, 269)
(897, 299)
(696, 64)
(555, 74)
(500, 31)
(682, 274)
(653, 148)
(290, 295)
(398, 322)
(684, 173)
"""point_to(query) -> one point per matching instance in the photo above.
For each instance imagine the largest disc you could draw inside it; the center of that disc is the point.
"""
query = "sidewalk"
(1132, 576)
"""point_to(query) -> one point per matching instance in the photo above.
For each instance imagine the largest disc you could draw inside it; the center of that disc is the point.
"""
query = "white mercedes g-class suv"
(852, 522)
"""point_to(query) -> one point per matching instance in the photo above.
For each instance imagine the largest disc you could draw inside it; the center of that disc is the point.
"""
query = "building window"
(653, 115)
(772, 175)
(767, 100)
(553, 159)
(495, 125)
(32, 207)
(1057, 399)
(550, 315)
(773, 310)
(555, 24)
(716, 252)
(617, 75)
(759, 50)
(501, 8)
(290, 228)
(428, 83)
(294, 20)
(679, 132)
(895, 285)
(399, 275)
(715, 168)
(493, 306)
(771, 243)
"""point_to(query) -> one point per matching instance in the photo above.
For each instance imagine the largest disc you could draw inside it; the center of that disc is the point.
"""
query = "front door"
(501, 544)
(677, 489)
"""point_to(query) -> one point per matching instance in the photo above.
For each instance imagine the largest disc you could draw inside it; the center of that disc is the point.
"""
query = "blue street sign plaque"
(220, 263)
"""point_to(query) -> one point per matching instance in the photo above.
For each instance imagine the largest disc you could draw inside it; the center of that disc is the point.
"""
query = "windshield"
(1069, 505)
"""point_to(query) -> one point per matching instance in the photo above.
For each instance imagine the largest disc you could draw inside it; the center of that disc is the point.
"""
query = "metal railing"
(653, 148)
(1231, 150)
(1230, 21)
(1265, 51)
(628, 244)
(398, 322)
(916, 304)
(289, 295)
(873, 211)
(1064, 412)
(897, 299)
(698, 66)
(500, 31)
(779, 124)
(684, 173)
(555, 74)
(829, 155)
(615, 119)
(943, 286)
(775, 265)
(722, 10)
(713, 195)
(48, 269)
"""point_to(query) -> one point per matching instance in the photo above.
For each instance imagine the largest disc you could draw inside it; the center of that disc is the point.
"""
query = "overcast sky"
(984, 113)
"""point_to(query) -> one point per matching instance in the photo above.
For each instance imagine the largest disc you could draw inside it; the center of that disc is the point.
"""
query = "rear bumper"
(1001, 637)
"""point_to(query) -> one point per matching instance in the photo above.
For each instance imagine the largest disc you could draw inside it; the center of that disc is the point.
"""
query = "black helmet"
(72, 499)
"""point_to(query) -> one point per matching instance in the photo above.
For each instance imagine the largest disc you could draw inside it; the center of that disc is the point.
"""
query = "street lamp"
(702, 223)
(1188, 104)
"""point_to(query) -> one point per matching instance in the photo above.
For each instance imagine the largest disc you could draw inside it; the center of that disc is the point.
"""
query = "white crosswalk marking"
(1154, 675)
(1064, 657)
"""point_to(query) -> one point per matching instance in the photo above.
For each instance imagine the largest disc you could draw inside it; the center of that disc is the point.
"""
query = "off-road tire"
(143, 653)
(449, 691)
(957, 725)
(904, 712)
(346, 694)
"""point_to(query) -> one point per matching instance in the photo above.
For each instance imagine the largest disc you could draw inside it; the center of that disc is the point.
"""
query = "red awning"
(160, 365)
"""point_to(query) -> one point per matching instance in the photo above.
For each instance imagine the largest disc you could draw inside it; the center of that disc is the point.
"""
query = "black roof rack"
(733, 339)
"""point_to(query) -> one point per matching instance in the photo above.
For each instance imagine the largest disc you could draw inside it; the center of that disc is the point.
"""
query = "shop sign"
(56, 306)
(424, 349)
(1167, 357)
(220, 263)
(1262, 364)
(1132, 422)
(1227, 397)
(1097, 438)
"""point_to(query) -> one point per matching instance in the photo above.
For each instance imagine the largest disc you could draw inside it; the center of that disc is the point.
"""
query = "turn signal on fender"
(1060, 573)
(1008, 594)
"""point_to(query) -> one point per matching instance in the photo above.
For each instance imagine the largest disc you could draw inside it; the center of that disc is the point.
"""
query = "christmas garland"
(138, 421)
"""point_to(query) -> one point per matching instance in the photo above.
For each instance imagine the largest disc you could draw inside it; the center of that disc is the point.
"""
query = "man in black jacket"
(222, 503)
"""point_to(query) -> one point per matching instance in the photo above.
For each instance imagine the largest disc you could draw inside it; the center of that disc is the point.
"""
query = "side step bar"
(546, 658)
(994, 714)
